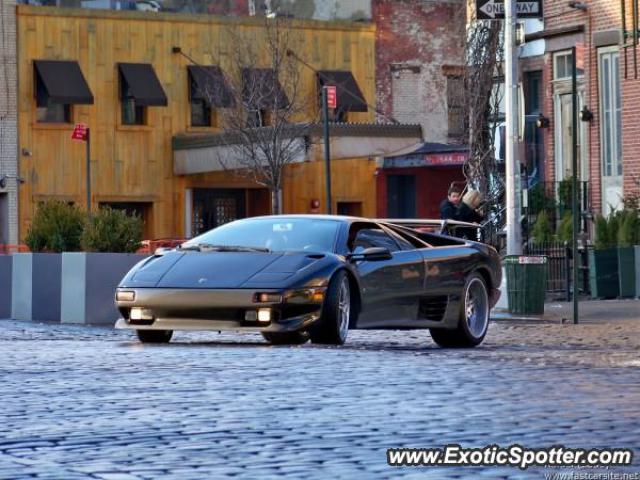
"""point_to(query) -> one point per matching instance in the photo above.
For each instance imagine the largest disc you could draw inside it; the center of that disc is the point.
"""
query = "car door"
(390, 288)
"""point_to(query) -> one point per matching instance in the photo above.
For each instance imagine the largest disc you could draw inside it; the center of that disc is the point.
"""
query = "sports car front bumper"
(221, 309)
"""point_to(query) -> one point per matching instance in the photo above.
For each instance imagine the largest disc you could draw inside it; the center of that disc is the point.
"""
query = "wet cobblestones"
(81, 402)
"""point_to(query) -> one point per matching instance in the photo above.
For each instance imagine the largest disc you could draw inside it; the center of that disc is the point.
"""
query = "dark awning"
(350, 98)
(261, 89)
(143, 84)
(63, 81)
(207, 83)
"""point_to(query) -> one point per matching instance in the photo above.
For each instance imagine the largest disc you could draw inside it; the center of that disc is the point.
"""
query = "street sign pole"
(88, 142)
(327, 155)
(574, 182)
(514, 233)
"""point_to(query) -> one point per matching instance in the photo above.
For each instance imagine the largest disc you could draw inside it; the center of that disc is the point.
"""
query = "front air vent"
(433, 308)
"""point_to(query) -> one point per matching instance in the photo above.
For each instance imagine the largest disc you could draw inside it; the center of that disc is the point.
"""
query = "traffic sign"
(494, 9)
(79, 132)
(332, 96)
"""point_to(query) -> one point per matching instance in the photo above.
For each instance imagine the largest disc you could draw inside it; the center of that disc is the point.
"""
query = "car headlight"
(305, 295)
(267, 297)
(138, 313)
(125, 296)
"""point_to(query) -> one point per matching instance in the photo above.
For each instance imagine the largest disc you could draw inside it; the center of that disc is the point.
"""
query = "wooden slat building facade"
(133, 165)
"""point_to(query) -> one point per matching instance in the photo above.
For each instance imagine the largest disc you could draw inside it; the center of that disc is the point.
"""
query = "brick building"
(609, 97)
(419, 55)
(419, 59)
(8, 124)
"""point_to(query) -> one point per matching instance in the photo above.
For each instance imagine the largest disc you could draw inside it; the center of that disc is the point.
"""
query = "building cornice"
(554, 32)
(193, 141)
(88, 13)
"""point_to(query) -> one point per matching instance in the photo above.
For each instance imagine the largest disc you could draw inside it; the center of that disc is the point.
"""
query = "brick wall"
(601, 15)
(630, 110)
(414, 41)
(8, 119)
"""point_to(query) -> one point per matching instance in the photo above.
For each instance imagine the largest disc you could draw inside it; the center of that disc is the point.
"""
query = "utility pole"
(327, 154)
(88, 162)
(574, 181)
(514, 231)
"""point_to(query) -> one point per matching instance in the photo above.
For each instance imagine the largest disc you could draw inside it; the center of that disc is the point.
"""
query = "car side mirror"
(371, 254)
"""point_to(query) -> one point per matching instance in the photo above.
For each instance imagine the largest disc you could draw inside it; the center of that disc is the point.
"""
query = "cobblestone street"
(81, 402)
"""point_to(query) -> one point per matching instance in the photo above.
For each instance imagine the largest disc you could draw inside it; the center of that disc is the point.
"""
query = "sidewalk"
(589, 311)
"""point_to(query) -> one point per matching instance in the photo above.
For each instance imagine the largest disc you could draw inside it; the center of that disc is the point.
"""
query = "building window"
(200, 113)
(562, 65)
(48, 111)
(132, 114)
(610, 113)
(455, 106)
(260, 118)
(53, 113)
(338, 115)
(142, 210)
(533, 138)
(139, 89)
(58, 84)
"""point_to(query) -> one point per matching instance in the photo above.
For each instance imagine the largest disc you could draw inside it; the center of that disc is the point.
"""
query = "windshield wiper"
(222, 248)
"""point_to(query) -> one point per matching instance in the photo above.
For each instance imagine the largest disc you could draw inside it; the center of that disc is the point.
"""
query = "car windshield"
(270, 234)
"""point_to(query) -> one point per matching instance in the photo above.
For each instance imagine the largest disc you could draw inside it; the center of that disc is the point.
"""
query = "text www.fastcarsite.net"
(514, 455)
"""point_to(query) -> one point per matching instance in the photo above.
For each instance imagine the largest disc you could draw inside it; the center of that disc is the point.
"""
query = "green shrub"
(603, 237)
(628, 230)
(539, 200)
(56, 227)
(614, 225)
(112, 231)
(541, 231)
(565, 193)
(565, 228)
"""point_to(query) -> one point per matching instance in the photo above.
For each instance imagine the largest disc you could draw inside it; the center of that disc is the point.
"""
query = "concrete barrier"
(6, 262)
(89, 281)
(35, 293)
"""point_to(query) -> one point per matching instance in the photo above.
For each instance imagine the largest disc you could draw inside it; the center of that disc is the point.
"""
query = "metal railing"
(559, 261)
(555, 198)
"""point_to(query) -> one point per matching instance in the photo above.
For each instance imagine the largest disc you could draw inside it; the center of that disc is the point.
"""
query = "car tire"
(154, 336)
(473, 319)
(337, 311)
(286, 338)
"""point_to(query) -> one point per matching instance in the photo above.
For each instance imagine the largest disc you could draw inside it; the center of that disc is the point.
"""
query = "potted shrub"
(541, 232)
(89, 279)
(603, 260)
(565, 228)
(627, 240)
(56, 226)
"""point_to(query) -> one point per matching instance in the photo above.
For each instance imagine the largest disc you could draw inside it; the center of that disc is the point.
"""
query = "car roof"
(426, 221)
(314, 216)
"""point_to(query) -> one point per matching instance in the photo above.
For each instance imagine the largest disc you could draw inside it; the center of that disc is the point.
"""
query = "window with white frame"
(610, 112)
(562, 65)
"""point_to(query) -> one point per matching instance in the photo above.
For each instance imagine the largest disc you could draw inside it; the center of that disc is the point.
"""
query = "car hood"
(218, 269)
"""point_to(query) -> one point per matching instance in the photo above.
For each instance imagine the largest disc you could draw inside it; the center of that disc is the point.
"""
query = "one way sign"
(494, 9)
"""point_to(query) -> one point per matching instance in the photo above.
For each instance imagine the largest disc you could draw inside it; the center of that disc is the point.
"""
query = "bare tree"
(267, 127)
(483, 59)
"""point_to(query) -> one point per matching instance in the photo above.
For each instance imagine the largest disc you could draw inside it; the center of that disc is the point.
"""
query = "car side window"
(373, 237)
(408, 241)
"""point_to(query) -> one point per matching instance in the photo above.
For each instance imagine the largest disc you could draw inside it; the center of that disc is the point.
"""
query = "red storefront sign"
(442, 159)
(332, 96)
(79, 132)
(427, 160)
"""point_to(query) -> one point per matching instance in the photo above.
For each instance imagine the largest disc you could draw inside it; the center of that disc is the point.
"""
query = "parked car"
(300, 277)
